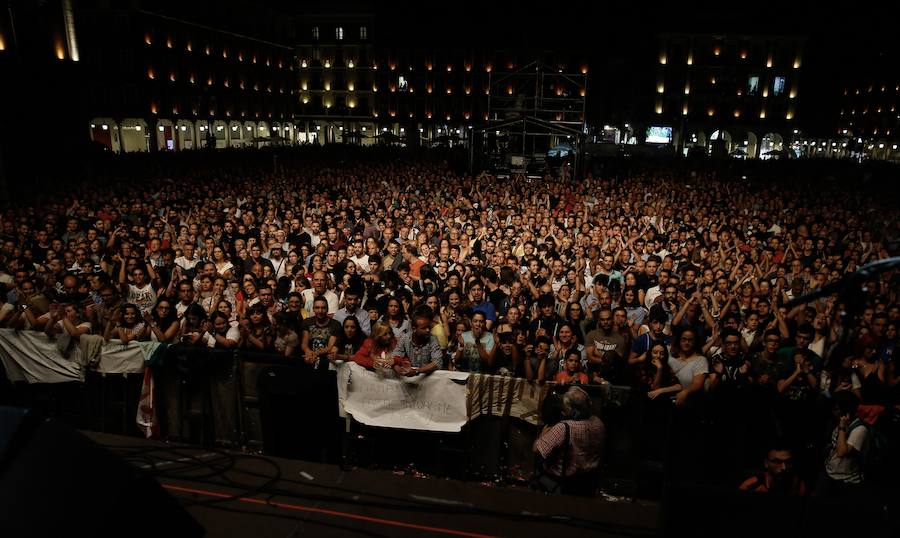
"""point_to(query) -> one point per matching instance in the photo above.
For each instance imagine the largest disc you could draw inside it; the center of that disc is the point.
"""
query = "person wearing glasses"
(731, 369)
(162, 322)
(777, 475)
(766, 365)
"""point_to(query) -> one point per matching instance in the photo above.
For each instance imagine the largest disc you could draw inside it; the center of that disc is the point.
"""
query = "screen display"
(659, 135)
(778, 87)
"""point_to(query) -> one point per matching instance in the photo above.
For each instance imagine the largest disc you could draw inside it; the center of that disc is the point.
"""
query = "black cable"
(245, 491)
(407, 504)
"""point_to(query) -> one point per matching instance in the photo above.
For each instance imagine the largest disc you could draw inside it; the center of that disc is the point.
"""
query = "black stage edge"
(235, 494)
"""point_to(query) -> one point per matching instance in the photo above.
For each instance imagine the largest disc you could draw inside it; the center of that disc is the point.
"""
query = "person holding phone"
(843, 476)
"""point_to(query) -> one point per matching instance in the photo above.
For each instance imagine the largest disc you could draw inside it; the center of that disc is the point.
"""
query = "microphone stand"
(851, 292)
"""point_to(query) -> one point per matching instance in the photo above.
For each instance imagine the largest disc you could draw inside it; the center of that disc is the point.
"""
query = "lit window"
(315, 33)
(778, 87)
(753, 85)
(363, 32)
(339, 33)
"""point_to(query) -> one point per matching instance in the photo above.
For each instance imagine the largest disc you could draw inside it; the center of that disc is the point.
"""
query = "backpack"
(875, 454)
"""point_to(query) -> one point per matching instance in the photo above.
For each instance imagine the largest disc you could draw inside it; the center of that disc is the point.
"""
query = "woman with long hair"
(377, 350)
(286, 340)
(634, 309)
(193, 326)
(688, 365)
(452, 309)
(256, 330)
(456, 342)
(315, 264)
(349, 341)
(293, 259)
(224, 267)
(162, 322)
(218, 292)
(563, 341)
(631, 281)
(249, 292)
(71, 322)
(127, 325)
(574, 314)
(395, 317)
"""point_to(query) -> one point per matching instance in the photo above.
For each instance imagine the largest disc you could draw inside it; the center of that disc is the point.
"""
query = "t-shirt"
(144, 298)
(415, 267)
(686, 370)
(565, 377)
(309, 296)
(319, 335)
(644, 342)
(471, 359)
(848, 468)
(289, 340)
(614, 342)
(233, 334)
(487, 308)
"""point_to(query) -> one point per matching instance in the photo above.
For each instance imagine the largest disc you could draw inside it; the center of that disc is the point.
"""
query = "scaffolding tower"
(531, 111)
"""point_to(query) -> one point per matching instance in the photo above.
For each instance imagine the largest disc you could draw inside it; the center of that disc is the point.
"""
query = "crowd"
(671, 281)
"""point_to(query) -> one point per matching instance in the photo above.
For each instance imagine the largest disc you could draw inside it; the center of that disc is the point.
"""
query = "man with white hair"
(569, 451)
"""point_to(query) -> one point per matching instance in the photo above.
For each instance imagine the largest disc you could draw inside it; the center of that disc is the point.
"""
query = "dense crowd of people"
(674, 282)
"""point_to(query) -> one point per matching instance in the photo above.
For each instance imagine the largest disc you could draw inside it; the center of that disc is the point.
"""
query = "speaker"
(56, 482)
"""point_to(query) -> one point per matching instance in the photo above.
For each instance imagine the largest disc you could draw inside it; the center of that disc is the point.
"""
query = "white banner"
(116, 358)
(33, 357)
(433, 402)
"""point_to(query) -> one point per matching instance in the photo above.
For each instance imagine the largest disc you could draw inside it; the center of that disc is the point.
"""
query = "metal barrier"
(284, 407)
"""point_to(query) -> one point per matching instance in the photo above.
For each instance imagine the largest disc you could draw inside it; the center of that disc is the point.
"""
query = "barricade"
(281, 406)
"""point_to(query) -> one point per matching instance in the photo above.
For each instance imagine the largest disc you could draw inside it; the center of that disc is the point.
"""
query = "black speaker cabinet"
(56, 482)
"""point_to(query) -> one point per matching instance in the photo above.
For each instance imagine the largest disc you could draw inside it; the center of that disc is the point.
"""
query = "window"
(315, 33)
(339, 33)
(363, 32)
(753, 85)
(403, 84)
(778, 87)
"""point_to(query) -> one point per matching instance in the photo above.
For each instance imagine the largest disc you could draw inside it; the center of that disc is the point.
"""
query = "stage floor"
(235, 494)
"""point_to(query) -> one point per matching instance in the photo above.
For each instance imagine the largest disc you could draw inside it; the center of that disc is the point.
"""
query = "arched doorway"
(263, 130)
(235, 133)
(135, 136)
(184, 135)
(249, 133)
(771, 146)
(105, 131)
(206, 133)
(720, 143)
(219, 128)
(166, 135)
(752, 146)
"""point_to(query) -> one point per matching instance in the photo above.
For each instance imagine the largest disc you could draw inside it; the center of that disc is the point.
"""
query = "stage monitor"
(659, 135)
